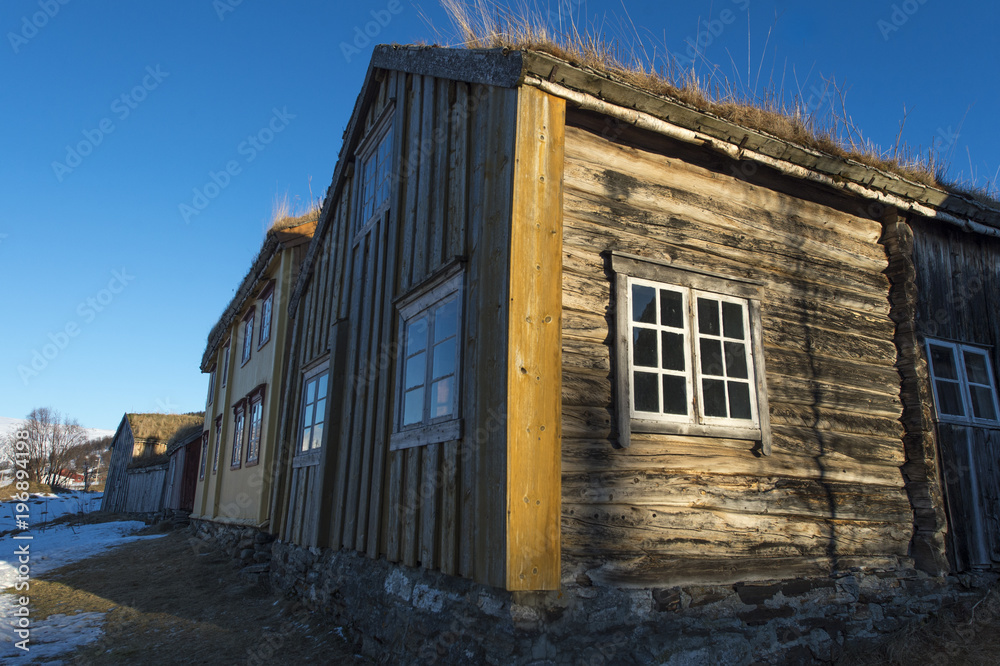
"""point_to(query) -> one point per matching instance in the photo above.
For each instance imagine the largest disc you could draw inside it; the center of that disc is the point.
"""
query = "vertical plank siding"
(832, 491)
(957, 279)
(428, 505)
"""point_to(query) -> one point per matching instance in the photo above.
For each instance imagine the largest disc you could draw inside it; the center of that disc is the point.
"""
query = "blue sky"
(116, 114)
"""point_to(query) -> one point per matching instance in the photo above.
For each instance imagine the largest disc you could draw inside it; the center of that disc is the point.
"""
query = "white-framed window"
(964, 386)
(204, 456)
(266, 306)
(239, 422)
(256, 423)
(211, 385)
(218, 444)
(429, 363)
(247, 336)
(225, 363)
(315, 387)
(375, 172)
(689, 353)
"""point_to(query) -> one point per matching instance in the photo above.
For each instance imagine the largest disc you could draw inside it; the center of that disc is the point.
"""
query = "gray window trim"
(625, 266)
(963, 381)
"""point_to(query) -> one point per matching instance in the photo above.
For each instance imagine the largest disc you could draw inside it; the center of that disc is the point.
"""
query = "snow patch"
(48, 550)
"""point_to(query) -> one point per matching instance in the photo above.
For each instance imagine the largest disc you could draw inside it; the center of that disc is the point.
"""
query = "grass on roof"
(484, 24)
(162, 427)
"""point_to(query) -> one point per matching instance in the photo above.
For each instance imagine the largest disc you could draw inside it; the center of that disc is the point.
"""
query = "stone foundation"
(249, 547)
(405, 615)
(398, 614)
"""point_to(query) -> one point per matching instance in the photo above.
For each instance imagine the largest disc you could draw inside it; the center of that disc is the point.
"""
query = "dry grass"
(167, 603)
(286, 214)
(960, 635)
(484, 24)
(7, 492)
(162, 427)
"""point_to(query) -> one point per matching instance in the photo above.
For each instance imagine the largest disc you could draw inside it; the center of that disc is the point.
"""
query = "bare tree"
(44, 450)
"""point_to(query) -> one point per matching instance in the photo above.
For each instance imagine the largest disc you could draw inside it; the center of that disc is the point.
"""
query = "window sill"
(985, 425)
(430, 434)
(252, 463)
(264, 343)
(695, 430)
(306, 459)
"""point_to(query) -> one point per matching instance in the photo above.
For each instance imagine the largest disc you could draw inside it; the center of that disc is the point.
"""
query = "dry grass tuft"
(286, 214)
(484, 24)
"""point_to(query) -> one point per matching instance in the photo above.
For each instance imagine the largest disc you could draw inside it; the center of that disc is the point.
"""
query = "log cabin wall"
(439, 506)
(957, 279)
(674, 509)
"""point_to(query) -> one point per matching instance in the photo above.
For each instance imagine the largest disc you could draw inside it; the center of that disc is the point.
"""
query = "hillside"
(8, 424)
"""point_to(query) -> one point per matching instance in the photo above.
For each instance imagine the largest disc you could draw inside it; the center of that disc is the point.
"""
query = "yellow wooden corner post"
(534, 362)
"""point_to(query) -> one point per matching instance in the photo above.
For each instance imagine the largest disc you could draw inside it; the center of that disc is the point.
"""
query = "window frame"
(247, 323)
(266, 298)
(211, 385)
(368, 148)
(447, 283)
(627, 268)
(203, 466)
(239, 428)
(225, 362)
(969, 419)
(218, 444)
(312, 456)
(255, 398)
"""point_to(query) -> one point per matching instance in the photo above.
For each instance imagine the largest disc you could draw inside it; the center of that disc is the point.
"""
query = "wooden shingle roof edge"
(275, 241)
(603, 92)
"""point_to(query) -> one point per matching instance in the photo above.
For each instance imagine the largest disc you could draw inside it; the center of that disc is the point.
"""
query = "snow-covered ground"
(50, 548)
(47, 507)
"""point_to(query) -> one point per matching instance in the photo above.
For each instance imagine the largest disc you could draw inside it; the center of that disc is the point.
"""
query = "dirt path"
(165, 604)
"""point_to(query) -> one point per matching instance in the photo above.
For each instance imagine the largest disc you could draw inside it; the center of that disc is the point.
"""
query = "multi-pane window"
(429, 364)
(265, 318)
(247, 336)
(239, 422)
(256, 417)
(375, 174)
(211, 385)
(689, 353)
(225, 364)
(313, 410)
(204, 455)
(218, 444)
(964, 388)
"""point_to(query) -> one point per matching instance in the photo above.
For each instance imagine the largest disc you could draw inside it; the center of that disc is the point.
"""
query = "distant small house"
(139, 461)
(245, 360)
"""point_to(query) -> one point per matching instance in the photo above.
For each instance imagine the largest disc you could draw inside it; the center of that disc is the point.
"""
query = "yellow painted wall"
(241, 494)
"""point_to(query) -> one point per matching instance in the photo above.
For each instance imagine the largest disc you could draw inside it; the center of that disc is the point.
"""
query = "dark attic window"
(689, 353)
(375, 172)
(964, 386)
